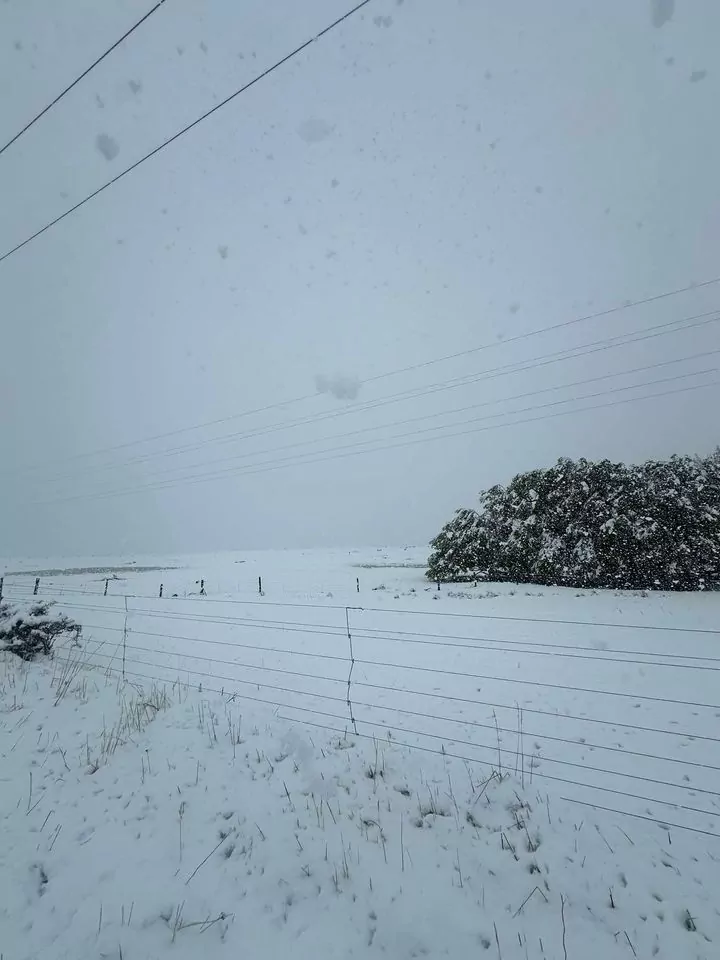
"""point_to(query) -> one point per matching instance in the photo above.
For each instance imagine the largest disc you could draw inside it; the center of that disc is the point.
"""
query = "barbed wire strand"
(480, 746)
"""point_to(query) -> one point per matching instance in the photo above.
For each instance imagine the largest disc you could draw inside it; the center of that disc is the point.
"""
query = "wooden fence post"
(106, 587)
(161, 591)
(357, 583)
(202, 588)
(37, 586)
(2, 581)
(260, 585)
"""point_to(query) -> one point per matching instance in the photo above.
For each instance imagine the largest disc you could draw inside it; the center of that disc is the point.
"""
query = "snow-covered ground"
(494, 743)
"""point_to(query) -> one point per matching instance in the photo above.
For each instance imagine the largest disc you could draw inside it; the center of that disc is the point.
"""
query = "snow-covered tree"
(458, 549)
(585, 524)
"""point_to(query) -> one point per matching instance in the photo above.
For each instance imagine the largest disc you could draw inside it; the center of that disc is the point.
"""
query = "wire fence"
(517, 705)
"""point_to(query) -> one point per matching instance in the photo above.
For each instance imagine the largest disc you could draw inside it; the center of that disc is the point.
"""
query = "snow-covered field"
(235, 795)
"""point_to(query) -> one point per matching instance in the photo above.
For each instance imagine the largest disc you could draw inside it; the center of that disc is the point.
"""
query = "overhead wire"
(447, 413)
(508, 369)
(186, 129)
(517, 366)
(350, 451)
(82, 76)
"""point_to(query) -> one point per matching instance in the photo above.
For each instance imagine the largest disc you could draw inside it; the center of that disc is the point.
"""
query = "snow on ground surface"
(226, 799)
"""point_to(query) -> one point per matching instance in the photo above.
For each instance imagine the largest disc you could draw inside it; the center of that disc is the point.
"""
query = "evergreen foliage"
(653, 526)
(33, 634)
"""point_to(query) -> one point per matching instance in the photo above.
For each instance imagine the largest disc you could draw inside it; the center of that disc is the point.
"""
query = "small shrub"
(33, 634)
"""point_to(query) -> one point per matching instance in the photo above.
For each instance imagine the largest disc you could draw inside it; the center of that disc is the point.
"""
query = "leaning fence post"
(161, 590)
(106, 586)
(37, 586)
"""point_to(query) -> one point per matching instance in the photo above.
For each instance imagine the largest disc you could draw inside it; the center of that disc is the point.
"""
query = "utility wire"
(346, 451)
(82, 76)
(517, 366)
(447, 413)
(184, 130)
(434, 388)
(608, 343)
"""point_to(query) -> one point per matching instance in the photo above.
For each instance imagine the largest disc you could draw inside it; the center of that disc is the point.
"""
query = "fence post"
(438, 586)
(202, 588)
(2, 581)
(260, 586)
(161, 590)
(357, 583)
(350, 672)
(37, 586)
(106, 586)
(124, 637)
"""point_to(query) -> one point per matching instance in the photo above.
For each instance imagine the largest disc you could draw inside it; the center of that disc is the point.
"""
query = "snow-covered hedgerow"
(32, 634)
(651, 526)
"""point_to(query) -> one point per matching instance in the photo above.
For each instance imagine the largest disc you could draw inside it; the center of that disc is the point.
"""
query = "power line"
(77, 80)
(382, 402)
(464, 409)
(184, 130)
(334, 455)
(572, 353)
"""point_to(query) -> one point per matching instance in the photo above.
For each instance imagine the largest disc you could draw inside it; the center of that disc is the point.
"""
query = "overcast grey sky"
(433, 176)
